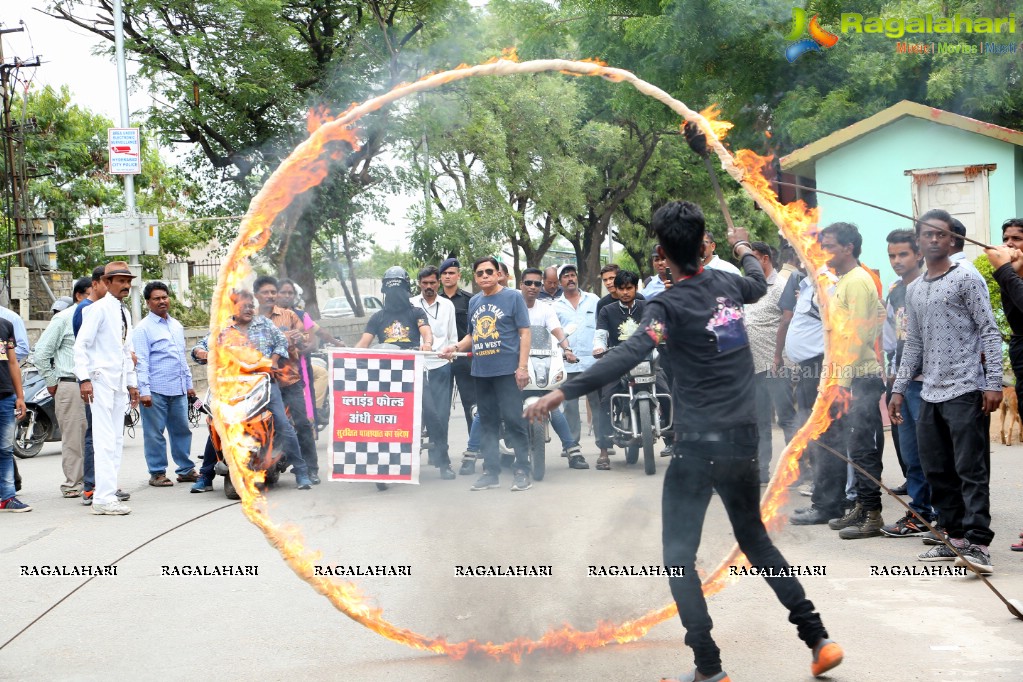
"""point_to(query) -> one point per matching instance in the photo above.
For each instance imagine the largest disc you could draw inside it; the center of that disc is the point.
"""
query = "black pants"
(462, 374)
(858, 434)
(294, 399)
(437, 411)
(895, 434)
(504, 402)
(954, 456)
(732, 470)
(865, 438)
(773, 395)
(806, 379)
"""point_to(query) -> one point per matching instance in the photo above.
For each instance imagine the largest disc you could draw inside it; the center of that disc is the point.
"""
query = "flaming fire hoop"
(308, 165)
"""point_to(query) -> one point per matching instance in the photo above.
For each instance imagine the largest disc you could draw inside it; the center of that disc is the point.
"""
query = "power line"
(127, 229)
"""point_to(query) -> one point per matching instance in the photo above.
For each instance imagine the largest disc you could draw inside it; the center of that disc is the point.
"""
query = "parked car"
(338, 307)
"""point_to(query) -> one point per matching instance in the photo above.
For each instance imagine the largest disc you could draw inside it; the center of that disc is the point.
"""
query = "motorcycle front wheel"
(537, 450)
(25, 447)
(646, 428)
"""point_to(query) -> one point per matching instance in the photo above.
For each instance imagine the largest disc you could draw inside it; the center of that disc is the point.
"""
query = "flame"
(717, 126)
(508, 54)
(306, 167)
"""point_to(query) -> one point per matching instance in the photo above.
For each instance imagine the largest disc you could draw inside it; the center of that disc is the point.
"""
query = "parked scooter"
(639, 414)
(244, 399)
(546, 372)
(39, 425)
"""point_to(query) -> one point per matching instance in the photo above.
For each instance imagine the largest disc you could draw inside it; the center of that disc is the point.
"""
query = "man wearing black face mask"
(398, 323)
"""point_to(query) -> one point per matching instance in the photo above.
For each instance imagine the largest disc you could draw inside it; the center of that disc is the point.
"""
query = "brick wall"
(60, 282)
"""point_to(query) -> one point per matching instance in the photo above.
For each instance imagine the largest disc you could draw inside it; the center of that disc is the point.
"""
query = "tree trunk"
(354, 298)
(294, 262)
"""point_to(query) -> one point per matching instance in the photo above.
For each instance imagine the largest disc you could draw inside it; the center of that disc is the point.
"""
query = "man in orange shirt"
(290, 375)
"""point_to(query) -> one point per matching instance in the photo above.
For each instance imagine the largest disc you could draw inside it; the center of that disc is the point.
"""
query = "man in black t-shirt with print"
(700, 318)
(399, 322)
(615, 323)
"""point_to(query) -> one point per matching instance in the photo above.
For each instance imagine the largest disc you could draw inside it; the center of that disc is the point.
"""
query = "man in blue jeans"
(904, 255)
(256, 331)
(700, 319)
(499, 337)
(12, 408)
(165, 388)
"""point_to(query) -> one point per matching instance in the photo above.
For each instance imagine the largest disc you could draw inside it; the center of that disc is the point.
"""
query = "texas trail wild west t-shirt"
(494, 322)
(400, 328)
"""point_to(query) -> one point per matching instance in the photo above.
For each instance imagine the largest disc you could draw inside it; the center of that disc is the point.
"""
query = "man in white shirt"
(541, 314)
(440, 313)
(659, 281)
(105, 370)
(711, 260)
(579, 309)
(958, 257)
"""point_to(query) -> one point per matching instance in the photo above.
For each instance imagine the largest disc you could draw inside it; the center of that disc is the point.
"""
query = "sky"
(66, 52)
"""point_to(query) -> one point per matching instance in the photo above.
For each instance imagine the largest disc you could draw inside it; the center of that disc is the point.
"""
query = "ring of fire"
(307, 166)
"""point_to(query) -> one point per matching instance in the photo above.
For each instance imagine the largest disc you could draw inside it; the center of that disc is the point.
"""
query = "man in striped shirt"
(165, 389)
(55, 360)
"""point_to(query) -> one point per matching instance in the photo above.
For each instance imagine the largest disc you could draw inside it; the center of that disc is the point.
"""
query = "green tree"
(236, 78)
(63, 158)
(503, 166)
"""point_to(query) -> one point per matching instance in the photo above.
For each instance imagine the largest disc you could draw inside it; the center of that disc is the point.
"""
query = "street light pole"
(129, 180)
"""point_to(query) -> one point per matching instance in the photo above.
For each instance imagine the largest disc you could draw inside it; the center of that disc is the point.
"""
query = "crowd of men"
(738, 349)
(930, 344)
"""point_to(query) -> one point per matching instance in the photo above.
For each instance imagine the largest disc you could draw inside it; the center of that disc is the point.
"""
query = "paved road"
(143, 625)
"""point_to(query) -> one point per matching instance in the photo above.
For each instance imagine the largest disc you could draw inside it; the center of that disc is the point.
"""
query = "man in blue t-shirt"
(499, 337)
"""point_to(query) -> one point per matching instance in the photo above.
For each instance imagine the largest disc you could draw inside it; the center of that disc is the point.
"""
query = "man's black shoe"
(447, 473)
(577, 462)
(813, 517)
(314, 478)
(900, 490)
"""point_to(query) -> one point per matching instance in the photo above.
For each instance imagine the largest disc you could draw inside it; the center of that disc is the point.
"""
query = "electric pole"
(129, 180)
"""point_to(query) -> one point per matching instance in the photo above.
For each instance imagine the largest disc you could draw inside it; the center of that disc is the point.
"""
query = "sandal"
(71, 492)
(603, 463)
(160, 481)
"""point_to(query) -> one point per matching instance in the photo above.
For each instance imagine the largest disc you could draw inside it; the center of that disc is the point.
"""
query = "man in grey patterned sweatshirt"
(950, 329)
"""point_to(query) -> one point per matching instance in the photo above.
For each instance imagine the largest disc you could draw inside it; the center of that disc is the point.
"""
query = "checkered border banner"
(390, 373)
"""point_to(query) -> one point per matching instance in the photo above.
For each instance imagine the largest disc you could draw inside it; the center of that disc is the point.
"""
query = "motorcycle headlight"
(236, 408)
(41, 395)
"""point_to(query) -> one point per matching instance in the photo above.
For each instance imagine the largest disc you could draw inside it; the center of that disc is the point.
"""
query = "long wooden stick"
(886, 210)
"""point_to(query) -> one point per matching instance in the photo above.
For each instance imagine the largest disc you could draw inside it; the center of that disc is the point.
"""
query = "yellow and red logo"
(819, 38)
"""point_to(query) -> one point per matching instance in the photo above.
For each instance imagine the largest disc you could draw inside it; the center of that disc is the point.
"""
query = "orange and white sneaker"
(826, 655)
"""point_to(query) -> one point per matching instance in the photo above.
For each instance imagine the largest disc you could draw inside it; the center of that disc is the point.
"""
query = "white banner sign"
(125, 147)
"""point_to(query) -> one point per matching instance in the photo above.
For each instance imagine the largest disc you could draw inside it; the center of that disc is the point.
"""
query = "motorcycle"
(546, 372)
(244, 399)
(639, 414)
(39, 425)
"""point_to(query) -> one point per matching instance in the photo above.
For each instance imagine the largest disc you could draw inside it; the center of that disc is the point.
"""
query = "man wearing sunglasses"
(499, 339)
(542, 314)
